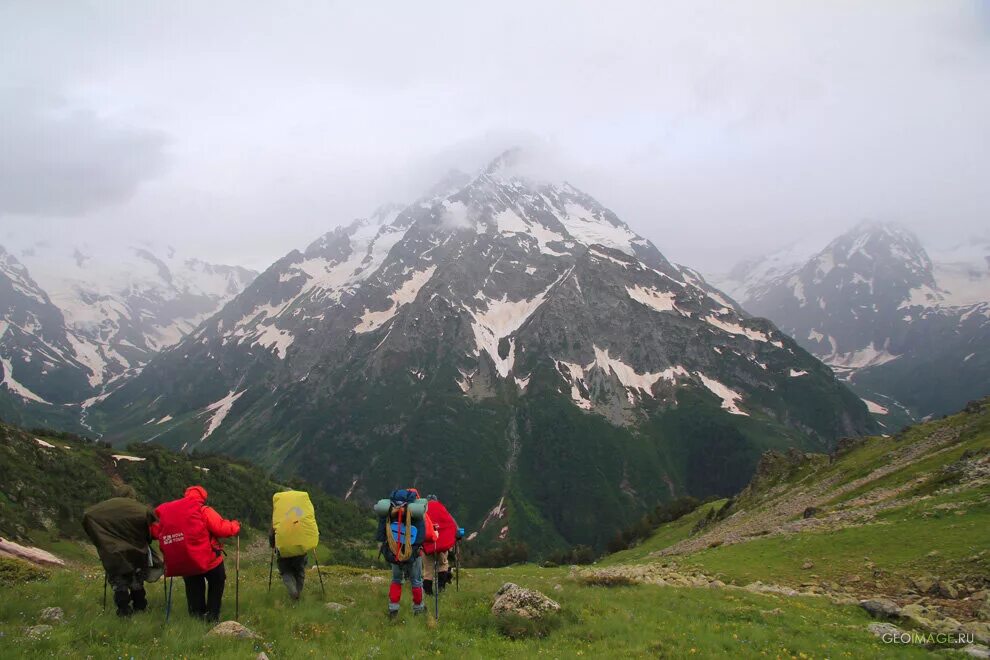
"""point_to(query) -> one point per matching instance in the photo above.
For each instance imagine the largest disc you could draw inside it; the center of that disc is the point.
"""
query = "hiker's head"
(197, 493)
(431, 497)
(125, 490)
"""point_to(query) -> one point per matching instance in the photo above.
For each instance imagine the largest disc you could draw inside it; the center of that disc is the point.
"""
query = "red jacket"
(216, 525)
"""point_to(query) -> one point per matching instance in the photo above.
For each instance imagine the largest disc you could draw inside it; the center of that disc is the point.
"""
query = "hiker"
(436, 564)
(120, 529)
(293, 534)
(292, 569)
(189, 533)
(402, 530)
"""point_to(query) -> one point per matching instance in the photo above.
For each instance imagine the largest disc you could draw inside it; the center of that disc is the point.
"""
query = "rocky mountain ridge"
(911, 333)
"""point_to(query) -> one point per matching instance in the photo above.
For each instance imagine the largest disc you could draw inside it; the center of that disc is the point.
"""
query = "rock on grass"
(37, 632)
(233, 629)
(881, 629)
(52, 614)
(881, 608)
(512, 599)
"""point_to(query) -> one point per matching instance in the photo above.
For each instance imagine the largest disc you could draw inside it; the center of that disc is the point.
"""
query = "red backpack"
(446, 535)
(184, 538)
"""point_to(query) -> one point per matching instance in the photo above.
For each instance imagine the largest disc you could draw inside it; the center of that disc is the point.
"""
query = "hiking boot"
(419, 609)
(393, 615)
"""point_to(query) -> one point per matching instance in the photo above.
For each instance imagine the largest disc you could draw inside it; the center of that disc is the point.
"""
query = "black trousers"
(293, 572)
(203, 603)
(128, 588)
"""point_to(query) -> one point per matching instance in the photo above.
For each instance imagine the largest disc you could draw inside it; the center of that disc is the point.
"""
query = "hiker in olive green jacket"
(118, 528)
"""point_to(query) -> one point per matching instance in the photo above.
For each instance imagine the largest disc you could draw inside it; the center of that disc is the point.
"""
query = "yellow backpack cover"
(294, 520)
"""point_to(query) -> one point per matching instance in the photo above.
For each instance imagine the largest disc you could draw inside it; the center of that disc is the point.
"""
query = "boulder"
(261, 656)
(881, 608)
(976, 651)
(52, 614)
(919, 615)
(881, 629)
(233, 629)
(807, 565)
(983, 614)
(527, 603)
(925, 584)
(37, 632)
(336, 607)
(946, 590)
(978, 629)
(34, 555)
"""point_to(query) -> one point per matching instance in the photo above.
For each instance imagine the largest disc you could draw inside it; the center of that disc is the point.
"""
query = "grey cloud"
(64, 161)
(716, 129)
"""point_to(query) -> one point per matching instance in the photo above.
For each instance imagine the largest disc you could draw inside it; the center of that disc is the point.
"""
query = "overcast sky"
(237, 131)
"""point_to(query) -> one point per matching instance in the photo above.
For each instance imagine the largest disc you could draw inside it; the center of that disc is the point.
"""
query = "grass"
(666, 535)
(635, 621)
(899, 546)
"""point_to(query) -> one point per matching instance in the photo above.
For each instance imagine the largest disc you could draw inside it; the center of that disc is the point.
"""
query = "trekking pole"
(168, 599)
(320, 573)
(105, 580)
(436, 586)
(270, 567)
(457, 566)
(237, 581)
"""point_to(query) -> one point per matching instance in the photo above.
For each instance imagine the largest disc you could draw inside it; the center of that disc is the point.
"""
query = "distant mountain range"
(909, 332)
(505, 342)
(75, 319)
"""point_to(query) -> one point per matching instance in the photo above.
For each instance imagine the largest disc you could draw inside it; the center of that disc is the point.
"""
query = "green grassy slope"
(883, 514)
(640, 621)
(46, 482)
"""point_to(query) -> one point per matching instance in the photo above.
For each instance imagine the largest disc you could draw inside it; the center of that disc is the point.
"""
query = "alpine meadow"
(652, 330)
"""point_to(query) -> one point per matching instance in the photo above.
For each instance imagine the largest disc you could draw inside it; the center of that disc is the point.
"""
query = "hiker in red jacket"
(209, 557)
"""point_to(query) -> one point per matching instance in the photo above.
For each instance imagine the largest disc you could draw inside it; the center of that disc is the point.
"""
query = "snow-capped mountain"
(74, 318)
(39, 365)
(124, 303)
(875, 307)
(508, 343)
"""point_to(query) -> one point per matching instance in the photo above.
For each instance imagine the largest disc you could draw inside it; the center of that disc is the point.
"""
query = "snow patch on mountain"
(922, 296)
(661, 301)
(736, 329)
(583, 224)
(15, 387)
(220, 410)
(626, 374)
(405, 294)
(498, 319)
(869, 356)
(875, 408)
(634, 381)
(730, 397)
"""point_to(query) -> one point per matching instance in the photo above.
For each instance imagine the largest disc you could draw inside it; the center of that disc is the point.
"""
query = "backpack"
(118, 528)
(446, 529)
(184, 538)
(402, 517)
(294, 522)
